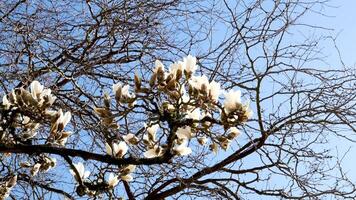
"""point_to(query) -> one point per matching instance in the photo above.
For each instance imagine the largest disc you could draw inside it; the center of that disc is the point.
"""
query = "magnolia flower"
(176, 67)
(153, 152)
(11, 182)
(113, 180)
(184, 133)
(159, 66)
(36, 89)
(215, 90)
(127, 177)
(151, 130)
(49, 97)
(5, 189)
(232, 99)
(35, 169)
(117, 150)
(214, 147)
(30, 133)
(182, 149)
(130, 139)
(202, 140)
(116, 87)
(200, 83)
(190, 64)
(62, 121)
(225, 144)
(126, 92)
(81, 171)
(129, 169)
(5, 102)
(193, 114)
(233, 132)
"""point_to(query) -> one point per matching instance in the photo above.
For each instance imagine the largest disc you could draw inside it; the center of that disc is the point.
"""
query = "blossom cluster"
(5, 187)
(191, 103)
(27, 109)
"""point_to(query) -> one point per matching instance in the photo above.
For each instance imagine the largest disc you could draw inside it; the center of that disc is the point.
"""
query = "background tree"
(80, 49)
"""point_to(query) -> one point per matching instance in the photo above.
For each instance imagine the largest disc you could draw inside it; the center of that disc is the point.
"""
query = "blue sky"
(342, 19)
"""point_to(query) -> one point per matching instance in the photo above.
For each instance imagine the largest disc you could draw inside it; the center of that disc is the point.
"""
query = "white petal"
(116, 86)
(108, 149)
(86, 174)
(127, 177)
(151, 153)
(36, 89)
(66, 118)
(184, 133)
(122, 147)
(113, 180)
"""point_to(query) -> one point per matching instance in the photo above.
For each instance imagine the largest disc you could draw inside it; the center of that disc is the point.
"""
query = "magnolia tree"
(182, 109)
(88, 112)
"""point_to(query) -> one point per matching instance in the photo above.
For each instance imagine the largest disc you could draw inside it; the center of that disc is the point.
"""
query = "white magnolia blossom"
(126, 177)
(5, 189)
(151, 130)
(232, 100)
(215, 90)
(130, 139)
(182, 149)
(63, 119)
(198, 82)
(113, 180)
(202, 140)
(39, 93)
(190, 64)
(214, 147)
(184, 133)
(175, 67)
(30, 133)
(129, 169)
(35, 169)
(193, 114)
(159, 66)
(156, 151)
(233, 132)
(117, 150)
(126, 92)
(81, 171)
(36, 89)
(5, 102)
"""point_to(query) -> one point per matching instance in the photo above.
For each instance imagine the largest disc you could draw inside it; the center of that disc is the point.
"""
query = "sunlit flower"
(215, 90)
(5, 102)
(190, 64)
(62, 121)
(117, 150)
(152, 130)
(233, 132)
(36, 89)
(35, 169)
(232, 99)
(214, 147)
(126, 92)
(182, 149)
(81, 171)
(128, 169)
(113, 180)
(193, 114)
(184, 133)
(130, 139)
(126, 177)
(153, 152)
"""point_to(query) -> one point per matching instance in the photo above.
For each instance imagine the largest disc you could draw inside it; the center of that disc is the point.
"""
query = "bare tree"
(66, 72)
